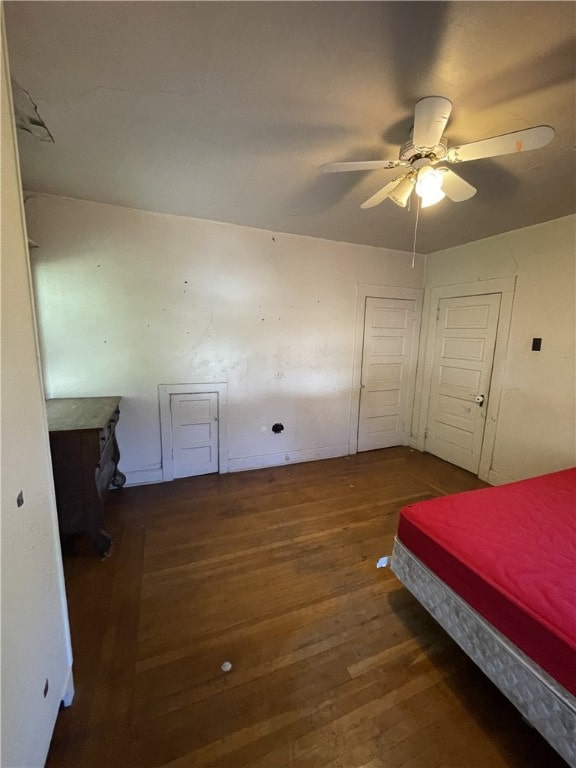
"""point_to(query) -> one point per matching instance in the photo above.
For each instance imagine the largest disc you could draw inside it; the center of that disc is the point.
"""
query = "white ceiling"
(225, 110)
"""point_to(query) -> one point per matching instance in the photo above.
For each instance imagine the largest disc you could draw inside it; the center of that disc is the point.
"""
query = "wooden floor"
(333, 662)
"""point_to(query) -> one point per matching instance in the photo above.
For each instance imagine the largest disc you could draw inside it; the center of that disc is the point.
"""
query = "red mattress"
(510, 552)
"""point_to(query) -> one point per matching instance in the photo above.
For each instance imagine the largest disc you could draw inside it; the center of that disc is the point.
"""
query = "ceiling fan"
(426, 149)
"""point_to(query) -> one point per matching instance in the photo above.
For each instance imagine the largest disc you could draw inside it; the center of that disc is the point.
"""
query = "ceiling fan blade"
(518, 141)
(362, 165)
(383, 193)
(430, 117)
(455, 187)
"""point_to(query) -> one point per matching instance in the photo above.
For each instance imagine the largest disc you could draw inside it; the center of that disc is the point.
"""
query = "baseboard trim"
(418, 443)
(144, 476)
(495, 478)
(287, 457)
(148, 476)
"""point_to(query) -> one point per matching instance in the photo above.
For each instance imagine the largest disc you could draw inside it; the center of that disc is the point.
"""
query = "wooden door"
(463, 357)
(194, 433)
(387, 369)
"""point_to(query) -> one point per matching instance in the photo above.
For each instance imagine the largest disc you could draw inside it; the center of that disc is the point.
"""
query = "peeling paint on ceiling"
(26, 114)
(225, 110)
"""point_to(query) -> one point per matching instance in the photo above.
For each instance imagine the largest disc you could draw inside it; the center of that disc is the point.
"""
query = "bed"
(497, 569)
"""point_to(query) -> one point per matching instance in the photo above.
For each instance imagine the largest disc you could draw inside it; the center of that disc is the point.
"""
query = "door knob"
(479, 399)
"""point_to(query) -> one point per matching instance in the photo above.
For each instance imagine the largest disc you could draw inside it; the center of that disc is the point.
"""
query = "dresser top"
(70, 413)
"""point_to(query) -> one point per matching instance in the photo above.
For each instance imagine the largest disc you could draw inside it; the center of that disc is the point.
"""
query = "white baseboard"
(144, 476)
(495, 478)
(418, 443)
(288, 457)
(155, 475)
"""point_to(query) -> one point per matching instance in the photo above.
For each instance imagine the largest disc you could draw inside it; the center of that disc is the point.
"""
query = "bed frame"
(542, 701)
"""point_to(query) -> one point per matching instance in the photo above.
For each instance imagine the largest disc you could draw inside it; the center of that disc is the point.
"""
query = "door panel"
(391, 345)
(459, 377)
(463, 349)
(466, 317)
(463, 357)
(194, 433)
(386, 370)
(382, 398)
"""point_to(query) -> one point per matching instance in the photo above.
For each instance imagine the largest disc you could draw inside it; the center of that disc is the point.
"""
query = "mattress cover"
(510, 552)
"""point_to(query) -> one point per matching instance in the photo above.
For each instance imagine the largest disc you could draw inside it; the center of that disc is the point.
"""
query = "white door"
(463, 356)
(194, 433)
(387, 368)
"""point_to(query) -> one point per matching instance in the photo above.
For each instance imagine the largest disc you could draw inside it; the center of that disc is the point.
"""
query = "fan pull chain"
(415, 233)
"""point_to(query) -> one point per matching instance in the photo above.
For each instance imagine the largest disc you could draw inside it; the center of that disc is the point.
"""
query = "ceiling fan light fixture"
(431, 198)
(429, 182)
(401, 193)
(429, 186)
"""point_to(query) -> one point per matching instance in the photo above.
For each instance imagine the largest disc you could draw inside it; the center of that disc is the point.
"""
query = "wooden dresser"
(85, 460)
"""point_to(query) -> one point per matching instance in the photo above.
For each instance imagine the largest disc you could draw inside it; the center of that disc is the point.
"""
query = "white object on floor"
(226, 667)
(383, 562)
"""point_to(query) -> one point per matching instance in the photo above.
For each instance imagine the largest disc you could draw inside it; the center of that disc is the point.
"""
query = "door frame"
(164, 393)
(505, 286)
(380, 292)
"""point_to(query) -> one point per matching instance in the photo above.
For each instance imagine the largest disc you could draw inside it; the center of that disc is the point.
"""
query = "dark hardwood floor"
(333, 662)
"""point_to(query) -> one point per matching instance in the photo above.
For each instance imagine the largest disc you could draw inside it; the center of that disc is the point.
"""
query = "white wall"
(128, 300)
(536, 424)
(35, 636)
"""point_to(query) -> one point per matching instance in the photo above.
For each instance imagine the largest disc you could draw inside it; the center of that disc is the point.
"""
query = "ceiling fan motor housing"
(421, 162)
(411, 154)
